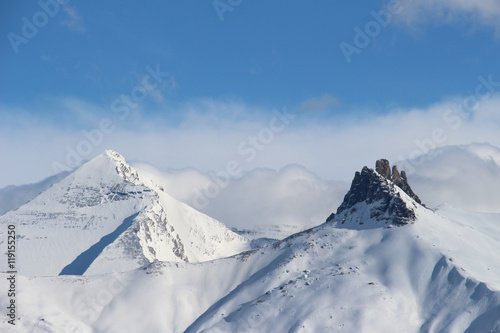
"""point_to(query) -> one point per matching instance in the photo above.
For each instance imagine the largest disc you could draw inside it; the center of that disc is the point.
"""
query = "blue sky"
(225, 76)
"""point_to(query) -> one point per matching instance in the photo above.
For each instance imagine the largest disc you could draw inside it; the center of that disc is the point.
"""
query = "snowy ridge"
(124, 170)
(379, 280)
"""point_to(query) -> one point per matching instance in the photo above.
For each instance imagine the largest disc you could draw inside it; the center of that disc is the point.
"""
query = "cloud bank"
(291, 196)
(465, 176)
(208, 134)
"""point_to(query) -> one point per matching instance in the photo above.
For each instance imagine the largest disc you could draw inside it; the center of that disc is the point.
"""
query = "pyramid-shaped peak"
(115, 156)
(106, 167)
(105, 217)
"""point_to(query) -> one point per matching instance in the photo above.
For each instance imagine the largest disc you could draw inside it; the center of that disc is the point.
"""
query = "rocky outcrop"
(378, 192)
(383, 167)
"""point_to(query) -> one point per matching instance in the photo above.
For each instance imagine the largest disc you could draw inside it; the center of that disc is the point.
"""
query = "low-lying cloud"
(463, 176)
(291, 196)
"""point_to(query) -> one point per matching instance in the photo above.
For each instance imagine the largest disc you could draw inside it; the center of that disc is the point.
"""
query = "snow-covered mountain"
(105, 217)
(382, 262)
(13, 197)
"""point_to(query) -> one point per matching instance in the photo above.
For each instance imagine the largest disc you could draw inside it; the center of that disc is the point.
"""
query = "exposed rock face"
(407, 189)
(384, 169)
(376, 192)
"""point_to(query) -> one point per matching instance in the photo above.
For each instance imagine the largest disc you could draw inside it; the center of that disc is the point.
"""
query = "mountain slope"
(408, 269)
(358, 273)
(104, 217)
(376, 280)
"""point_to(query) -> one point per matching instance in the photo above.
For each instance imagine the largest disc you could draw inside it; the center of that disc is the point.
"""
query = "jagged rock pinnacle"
(383, 167)
(378, 190)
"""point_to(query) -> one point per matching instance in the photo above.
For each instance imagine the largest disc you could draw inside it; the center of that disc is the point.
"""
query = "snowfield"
(325, 279)
(358, 272)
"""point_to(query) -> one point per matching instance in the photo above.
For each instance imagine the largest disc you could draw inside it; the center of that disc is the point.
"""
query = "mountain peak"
(382, 194)
(116, 156)
(105, 217)
(108, 167)
(122, 167)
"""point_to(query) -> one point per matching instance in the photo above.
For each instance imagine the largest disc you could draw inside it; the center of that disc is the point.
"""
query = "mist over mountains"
(457, 175)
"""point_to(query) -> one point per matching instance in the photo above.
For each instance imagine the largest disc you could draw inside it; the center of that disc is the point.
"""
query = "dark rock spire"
(378, 191)
(384, 169)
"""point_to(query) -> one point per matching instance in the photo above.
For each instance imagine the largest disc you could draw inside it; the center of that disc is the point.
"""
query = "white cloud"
(320, 103)
(464, 176)
(208, 135)
(167, 88)
(291, 196)
(485, 12)
(73, 20)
